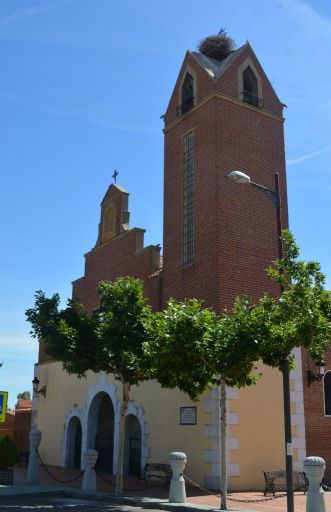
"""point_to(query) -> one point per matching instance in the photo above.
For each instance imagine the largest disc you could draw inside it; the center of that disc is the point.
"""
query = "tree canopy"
(24, 395)
(191, 346)
(187, 345)
(110, 340)
(301, 317)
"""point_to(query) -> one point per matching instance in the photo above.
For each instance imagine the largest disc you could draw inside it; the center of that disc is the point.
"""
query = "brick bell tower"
(219, 236)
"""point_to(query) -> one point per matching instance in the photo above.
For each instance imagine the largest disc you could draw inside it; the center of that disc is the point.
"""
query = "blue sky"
(83, 86)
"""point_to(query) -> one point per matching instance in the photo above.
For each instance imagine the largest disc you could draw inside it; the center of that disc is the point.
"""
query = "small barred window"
(187, 94)
(327, 393)
(250, 92)
(188, 200)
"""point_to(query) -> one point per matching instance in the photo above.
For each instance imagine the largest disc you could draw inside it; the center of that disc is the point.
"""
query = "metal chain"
(103, 478)
(54, 477)
(207, 491)
(259, 500)
(188, 479)
(113, 485)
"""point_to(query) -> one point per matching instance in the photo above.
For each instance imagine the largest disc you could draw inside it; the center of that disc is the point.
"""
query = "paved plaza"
(54, 494)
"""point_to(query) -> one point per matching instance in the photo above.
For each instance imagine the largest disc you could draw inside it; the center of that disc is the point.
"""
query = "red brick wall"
(119, 257)
(235, 225)
(123, 255)
(22, 430)
(318, 426)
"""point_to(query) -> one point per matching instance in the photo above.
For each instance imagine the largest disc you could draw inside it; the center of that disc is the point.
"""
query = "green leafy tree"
(301, 317)
(109, 340)
(189, 346)
(193, 349)
(25, 395)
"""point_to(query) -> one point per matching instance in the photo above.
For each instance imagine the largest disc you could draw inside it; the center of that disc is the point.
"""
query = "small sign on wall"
(188, 415)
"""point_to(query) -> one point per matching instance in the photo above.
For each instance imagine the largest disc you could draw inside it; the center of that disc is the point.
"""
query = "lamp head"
(240, 177)
(320, 367)
(35, 384)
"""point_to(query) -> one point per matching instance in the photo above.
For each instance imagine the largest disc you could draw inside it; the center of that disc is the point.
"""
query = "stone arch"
(100, 430)
(74, 443)
(138, 413)
(74, 420)
(96, 393)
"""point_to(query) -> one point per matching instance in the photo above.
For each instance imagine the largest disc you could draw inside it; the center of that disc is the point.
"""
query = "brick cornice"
(101, 246)
(228, 99)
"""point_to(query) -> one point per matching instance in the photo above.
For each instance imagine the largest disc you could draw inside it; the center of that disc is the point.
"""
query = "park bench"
(157, 470)
(300, 481)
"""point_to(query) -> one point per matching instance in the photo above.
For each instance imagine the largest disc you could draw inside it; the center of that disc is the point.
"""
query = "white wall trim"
(298, 419)
(74, 412)
(213, 431)
(84, 413)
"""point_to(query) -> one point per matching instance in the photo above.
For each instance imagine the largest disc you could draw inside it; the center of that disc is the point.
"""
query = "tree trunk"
(121, 439)
(224, 475)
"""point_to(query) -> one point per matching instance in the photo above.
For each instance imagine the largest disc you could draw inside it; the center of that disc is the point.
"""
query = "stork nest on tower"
(217, 46)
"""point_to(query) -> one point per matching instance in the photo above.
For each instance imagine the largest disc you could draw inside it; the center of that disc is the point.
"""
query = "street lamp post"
(274, 195)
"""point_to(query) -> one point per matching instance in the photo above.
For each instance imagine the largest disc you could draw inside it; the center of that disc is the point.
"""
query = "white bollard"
(33, 467)
(177, 493)
(314, 468)
(89, 480)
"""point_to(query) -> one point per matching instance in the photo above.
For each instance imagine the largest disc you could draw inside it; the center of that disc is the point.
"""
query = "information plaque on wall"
(188, 415)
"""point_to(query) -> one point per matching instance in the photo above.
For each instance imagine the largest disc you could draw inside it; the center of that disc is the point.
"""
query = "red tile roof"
(24, 404)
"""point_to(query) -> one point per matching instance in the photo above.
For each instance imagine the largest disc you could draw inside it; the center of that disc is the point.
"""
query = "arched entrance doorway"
(132, 450)
(100, 434)
(74, 443)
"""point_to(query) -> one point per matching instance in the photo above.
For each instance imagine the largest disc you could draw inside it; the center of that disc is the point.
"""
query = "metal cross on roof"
(114, 176)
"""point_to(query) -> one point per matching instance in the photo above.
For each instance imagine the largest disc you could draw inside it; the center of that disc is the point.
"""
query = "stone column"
(89, 481)
(314, 468)
(177, 492)
(33, 467)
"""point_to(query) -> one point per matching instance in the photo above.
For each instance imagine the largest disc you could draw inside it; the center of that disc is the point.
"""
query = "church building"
(219, 238)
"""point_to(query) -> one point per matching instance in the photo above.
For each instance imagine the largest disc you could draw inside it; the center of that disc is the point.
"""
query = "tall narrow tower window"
(188, 200)
(327, 393)
(250, 86)
(187, 93)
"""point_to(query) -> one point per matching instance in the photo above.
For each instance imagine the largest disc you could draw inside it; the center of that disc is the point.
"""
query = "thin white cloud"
(23, 14)
(308, 156)
(313, 20)
(29, 12)
(75, 113)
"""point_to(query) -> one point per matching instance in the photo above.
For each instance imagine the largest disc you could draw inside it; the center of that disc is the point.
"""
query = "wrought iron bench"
(300, 481)
(157, 470)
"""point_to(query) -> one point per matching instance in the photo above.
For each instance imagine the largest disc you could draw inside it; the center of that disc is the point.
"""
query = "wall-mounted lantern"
(320, 365)
(36, 390)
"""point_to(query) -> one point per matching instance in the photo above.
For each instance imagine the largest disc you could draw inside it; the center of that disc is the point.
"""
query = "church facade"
(218, 240)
